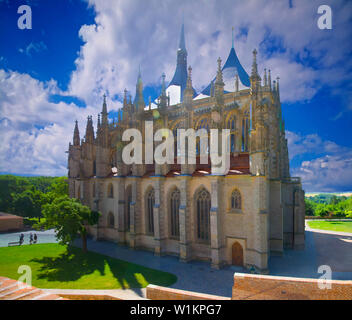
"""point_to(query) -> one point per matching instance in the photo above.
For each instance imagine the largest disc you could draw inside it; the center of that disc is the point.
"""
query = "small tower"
(89, 138)
(76, 139)
(163, 100)
(219, 87)
(265, 79)
(188, 94)
(255, 78)
(236, 83)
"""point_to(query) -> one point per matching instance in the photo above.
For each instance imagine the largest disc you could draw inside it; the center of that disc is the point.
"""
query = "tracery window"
(110, 190)
(174, 213)
(203, 215)
(236, 201)
(111, 220)
(128, 201)
(231, 124)
(150, 201)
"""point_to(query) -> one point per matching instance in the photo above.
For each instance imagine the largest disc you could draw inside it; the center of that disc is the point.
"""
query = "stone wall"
(263, 287)
(162, 293)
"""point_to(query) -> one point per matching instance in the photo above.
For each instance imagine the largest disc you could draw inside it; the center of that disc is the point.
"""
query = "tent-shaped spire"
(231, 67)
(179, 81)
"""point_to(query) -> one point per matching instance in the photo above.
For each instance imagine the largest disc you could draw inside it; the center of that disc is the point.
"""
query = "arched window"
(128, 201)
(110, 190)
(150, 200)
(174, 213)
(203, 215)
(231, 124)
(236, 201)
(111, 220)
(202, 124)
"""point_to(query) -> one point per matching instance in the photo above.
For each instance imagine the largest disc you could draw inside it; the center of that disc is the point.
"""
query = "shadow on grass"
(69, 266)
(73, 264)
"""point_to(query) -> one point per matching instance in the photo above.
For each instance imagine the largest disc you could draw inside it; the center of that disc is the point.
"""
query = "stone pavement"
(198, 276)
(121, 294)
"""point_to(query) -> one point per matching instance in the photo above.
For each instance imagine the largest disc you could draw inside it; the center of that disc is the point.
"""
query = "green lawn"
(345, 226)
(55, 267)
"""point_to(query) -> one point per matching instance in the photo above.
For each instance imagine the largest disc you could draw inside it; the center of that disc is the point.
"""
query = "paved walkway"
(198, 276)
(124, 294)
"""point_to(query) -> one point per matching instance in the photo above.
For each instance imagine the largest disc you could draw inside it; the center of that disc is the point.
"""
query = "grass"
(344, 226)
(55, 266)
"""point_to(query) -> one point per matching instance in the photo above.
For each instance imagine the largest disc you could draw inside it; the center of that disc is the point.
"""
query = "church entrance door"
(237, 254)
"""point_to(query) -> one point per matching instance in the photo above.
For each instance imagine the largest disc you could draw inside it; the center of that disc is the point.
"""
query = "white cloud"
(331, 167)
(129, 33)
(329, 173)
(35, 132)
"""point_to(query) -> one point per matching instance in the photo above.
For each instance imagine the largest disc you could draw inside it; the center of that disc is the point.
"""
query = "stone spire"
(219, 86)
(139, 99)
(255, 78)
(76, 139)
(277, 85)
(219, 79)
(254, 64)
(265, 79)
(125, 98)
(89, 130)
(188, 94)
(269, 79)
(104, 113)
(163, 97)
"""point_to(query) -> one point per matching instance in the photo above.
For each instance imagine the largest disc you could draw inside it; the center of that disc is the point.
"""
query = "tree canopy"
(69, 218)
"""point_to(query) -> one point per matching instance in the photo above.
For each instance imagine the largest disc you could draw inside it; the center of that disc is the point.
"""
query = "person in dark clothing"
(30, 238)
(21, 238)
(35, 238)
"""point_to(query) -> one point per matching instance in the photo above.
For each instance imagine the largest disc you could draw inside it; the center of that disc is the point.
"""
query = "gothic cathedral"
(257, 209)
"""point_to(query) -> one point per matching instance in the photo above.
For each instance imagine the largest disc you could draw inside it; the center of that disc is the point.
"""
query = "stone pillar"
(158, 213)
(121, 211)
(215, 223)
(184, 220)
(133, 213)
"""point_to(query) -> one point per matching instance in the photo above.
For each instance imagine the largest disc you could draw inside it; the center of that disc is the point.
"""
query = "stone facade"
(243, 217)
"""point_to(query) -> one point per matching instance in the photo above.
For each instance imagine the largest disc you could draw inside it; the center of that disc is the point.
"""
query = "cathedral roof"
(231, 67)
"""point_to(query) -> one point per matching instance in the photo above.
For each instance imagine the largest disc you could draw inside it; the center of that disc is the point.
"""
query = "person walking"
(21, 238)
(35, 238)
(31, 238)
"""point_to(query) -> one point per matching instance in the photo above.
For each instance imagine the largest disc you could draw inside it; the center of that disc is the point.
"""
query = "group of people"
(32, 238)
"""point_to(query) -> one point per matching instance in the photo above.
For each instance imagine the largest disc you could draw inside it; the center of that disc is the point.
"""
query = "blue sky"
(78, 50)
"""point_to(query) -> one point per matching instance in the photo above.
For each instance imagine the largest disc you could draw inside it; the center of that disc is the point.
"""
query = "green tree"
(310, 207)
(69, 218)
(27, 203)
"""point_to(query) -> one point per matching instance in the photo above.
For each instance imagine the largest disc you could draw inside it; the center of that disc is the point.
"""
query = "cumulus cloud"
(326, 174)
(129, 33)
(126, 34)
(35, 132)
(329, 170)
(299, 145)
